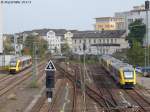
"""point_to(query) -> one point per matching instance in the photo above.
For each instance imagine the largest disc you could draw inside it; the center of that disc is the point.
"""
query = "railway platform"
(143, 82)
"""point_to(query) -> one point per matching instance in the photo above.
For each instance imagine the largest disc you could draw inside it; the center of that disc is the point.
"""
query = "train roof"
(21, 58)
(124, 66)
(117, 63)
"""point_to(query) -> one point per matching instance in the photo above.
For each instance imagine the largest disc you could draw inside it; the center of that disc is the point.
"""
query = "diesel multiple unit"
(18, 64)
(123, 73)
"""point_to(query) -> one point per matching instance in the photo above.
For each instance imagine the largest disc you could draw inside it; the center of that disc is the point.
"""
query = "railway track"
(5, 78)
(13, 81)
(90, 92)
(42, 104)
(112, 104)
(104, 87)
(144, 104)
(74, 87)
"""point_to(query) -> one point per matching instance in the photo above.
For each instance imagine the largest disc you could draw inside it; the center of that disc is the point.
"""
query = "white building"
(99, 42)
(54, 42)
(68, 38)
(138, 12)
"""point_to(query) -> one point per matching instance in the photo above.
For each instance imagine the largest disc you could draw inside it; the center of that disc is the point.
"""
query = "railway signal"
(50, 80)
(146, 5)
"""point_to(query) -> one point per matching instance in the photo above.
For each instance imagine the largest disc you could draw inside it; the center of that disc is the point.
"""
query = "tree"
(137, 32)
(65, 49)
(8, 46)
(39, 42)
(135, 54)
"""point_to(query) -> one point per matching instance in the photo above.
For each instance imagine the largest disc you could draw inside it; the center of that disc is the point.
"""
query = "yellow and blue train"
(18, 64)
(123, 73)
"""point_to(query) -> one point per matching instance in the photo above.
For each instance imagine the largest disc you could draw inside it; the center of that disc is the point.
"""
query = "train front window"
(12, 63)
(128, 75)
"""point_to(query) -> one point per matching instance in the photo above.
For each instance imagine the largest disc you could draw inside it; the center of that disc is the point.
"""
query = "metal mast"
(147, 38)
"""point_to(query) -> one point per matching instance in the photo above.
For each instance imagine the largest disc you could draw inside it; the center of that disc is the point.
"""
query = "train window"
(128, 74)
(13, 63)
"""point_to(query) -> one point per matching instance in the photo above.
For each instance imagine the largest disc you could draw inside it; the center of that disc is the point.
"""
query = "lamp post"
(34, 58)
(147, 39)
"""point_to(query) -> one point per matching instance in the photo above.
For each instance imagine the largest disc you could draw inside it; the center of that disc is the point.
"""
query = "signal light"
(146, 5)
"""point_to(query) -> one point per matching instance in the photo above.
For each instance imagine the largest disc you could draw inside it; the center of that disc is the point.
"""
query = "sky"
(60, 14)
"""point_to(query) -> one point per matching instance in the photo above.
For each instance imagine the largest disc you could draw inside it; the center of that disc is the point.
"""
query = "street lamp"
(147, 39)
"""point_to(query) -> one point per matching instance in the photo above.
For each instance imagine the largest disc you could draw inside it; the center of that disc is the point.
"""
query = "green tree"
(65, 49)
(137, 32)
(43, 46)
(135, 54)
(8, 46)
(39, 42)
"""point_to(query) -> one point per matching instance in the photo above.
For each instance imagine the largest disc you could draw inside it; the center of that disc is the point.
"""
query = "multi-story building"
(99, 42)
(68, 38)
(138, 12)
(109, 23)
(54, 42)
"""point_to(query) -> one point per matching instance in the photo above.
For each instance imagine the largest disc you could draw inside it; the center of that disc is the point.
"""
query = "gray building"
(99, 42)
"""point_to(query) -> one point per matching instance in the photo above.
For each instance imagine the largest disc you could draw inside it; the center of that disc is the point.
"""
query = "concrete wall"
(5, 60)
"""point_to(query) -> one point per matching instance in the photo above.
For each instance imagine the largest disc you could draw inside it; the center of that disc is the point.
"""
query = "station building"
(99, 42)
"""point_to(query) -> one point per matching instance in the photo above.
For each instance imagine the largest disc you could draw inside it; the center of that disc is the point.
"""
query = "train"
(18, 64)
(123, 73)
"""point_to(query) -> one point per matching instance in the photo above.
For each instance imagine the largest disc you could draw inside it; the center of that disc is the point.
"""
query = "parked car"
(146, 71)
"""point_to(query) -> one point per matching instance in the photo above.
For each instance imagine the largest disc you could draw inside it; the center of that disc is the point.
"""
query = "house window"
(115, 40)
(94, 41)
(99, 40)
(79, 48)
(111, 40)
(103, 51)
(103, 40)
(89, 41)
(80, 41)
(107, 40)
(75, 49)
(89, 49)
(75, 41)
(106, 51)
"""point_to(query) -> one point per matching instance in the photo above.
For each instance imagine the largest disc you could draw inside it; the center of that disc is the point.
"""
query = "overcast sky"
(68, 14)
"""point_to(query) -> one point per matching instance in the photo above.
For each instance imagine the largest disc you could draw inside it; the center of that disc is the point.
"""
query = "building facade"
(68, 39)
(138, 13)
(98, 43)
(109, 23)
(54, 42)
